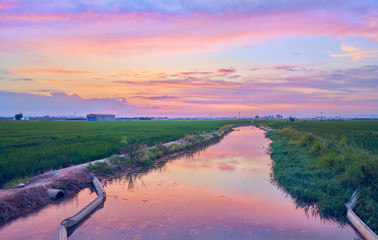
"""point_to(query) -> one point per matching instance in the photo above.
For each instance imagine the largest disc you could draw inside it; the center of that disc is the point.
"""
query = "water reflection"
(222, 192)
(129, 179)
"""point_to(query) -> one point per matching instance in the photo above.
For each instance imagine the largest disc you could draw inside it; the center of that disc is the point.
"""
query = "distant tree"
(18, 116)
(292, 119)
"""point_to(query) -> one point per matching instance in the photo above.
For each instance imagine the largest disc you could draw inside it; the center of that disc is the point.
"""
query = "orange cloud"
(51, 70)
(348, 48)
(51, 80)
(354, 53)
(357, 55)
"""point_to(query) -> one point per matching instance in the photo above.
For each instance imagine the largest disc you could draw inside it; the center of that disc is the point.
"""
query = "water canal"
(221, 192)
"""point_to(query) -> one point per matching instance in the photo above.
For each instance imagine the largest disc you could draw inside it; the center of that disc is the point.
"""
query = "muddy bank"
(21, 201)
(33, 195)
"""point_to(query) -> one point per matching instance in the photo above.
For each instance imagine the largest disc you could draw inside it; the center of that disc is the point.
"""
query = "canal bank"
(221, 192)
(321, 174)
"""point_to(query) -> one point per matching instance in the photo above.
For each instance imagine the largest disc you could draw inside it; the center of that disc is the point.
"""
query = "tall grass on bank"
(321, 174)
(362, 133)
(30, 148)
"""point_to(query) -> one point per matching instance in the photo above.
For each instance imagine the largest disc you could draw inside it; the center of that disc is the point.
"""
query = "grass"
(144, 157)
(59, 185)
(362, 133)
(102, 167)
(30, 148)
(322, 173)
(15, 182)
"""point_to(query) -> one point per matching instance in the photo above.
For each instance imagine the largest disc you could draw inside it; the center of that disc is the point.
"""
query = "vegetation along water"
(221, 192)
(30, 148)
(321, 163)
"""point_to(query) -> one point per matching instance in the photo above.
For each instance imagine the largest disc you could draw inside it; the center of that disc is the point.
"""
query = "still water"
(221, 192)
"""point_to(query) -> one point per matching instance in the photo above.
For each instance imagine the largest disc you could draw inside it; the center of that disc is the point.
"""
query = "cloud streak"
(51, 70)
(195, 73)
(354, 53)
(226, 70)
(156, 97)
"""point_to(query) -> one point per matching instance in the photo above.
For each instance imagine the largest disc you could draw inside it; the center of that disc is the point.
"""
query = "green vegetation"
(15, 182)
(59, 185)
(135, 155)
(102, 167)
(362, 133)
(30, 148)
(322, 173)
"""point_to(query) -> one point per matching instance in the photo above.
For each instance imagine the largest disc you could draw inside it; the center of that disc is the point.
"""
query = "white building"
(100, 117)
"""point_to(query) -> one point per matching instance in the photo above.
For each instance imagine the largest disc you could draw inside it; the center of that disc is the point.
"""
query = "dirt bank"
(24, 200)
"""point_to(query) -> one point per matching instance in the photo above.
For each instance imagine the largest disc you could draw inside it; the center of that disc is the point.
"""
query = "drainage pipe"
(364, 230)
(55, 193)
(61, 234)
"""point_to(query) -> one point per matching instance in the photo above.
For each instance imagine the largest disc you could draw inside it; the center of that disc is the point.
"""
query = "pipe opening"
(60, 194)
(55, 193)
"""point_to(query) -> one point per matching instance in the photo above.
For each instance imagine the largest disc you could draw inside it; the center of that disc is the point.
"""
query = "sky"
(181, 58)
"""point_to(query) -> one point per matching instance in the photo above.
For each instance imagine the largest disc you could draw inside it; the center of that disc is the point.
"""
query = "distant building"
(100, 117)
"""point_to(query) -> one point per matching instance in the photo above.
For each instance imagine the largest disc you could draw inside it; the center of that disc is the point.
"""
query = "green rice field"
(30, 148)
(363, 133)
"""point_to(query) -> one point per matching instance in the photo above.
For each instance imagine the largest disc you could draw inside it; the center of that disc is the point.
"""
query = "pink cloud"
(91, 31)
(8, 5)
(226, 70)
(33, 17)
(195, 73)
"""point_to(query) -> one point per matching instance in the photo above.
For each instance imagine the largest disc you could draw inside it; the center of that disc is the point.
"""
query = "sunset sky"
(181, 58)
